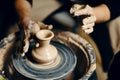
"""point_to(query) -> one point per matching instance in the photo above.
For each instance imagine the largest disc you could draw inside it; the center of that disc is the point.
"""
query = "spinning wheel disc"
(66, 65)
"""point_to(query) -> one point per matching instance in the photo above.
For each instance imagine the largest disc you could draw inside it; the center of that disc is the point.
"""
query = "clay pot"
(45, 52)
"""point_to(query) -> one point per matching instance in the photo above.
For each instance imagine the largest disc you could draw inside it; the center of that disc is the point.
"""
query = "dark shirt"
(114, 6)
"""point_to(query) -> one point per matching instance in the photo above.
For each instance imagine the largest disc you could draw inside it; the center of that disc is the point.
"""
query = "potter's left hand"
(25, 40)
(84, 10)
(32, 29)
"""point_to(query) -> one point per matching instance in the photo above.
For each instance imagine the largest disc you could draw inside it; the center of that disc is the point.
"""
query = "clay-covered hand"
(32, 29)
(27, 36)
(89, 20)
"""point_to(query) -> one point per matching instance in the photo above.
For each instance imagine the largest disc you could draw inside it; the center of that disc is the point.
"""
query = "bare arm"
(23, 8)
(102, 13)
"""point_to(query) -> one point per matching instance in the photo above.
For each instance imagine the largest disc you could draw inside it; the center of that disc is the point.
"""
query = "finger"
(30, 24)
(27, 34)
(87, 10)
(44, 26)
(88, 26)
(34, 29)
(88, 31)
(89, 20)
(75, 7)
(23, 54)
(26, 47)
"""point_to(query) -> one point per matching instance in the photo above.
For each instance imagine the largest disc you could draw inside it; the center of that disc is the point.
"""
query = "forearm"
(102, 13)
(23, 8)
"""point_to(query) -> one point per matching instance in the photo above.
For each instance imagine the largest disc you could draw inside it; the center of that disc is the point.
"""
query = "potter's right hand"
(84, 10)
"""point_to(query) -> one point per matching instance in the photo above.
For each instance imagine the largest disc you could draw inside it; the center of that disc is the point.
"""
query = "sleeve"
(114, 7)
(30, 1)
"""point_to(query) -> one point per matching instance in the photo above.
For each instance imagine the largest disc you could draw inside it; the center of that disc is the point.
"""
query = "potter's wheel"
(67, 63)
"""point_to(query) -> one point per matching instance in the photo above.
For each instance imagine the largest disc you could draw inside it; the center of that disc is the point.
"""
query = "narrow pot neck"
(44, 42)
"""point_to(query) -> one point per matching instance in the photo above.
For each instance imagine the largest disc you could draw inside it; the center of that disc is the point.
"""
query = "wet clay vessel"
(45, 52)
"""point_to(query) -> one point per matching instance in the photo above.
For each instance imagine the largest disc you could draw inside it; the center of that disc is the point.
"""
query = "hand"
(32, 29)
(84, 10)
(27, 35)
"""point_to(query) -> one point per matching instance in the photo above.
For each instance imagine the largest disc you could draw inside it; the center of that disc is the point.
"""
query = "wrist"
(102, 13)
(25, 22)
